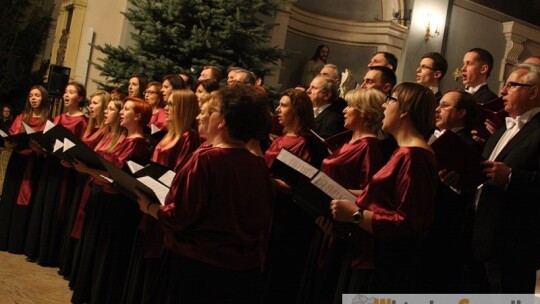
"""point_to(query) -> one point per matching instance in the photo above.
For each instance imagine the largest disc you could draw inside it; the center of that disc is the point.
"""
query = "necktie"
(438, 133)
(511, 122)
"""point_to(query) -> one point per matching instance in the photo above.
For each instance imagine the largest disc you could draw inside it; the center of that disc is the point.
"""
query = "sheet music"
(133, 166)
(27, 128)
(48, 125)
(154, 129)
(296, 163)
(68, 144)
(317, 135)
(159, 189)
(58, 145)
(332, 188)
(167, 178)
(110, 180)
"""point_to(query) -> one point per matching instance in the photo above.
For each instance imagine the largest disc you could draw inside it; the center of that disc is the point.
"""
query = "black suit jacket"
(507, 224)
(330, 121)
(484, 94)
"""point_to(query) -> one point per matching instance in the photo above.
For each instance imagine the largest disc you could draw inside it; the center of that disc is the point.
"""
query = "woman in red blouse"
(22, 173)
(292, 227)
(218, 212)
(53, 197)
(352, 166)
(94, 133)
(397, 205)
(172, 151)
(111, 218)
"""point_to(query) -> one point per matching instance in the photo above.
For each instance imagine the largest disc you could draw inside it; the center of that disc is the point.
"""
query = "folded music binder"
(313, 190)
(155, 132)
(126, 183)
(454, 154)
(492, 110)
(21, 139)
(74, 148)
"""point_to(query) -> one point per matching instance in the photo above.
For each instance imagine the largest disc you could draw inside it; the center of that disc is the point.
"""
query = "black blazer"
(484, 94)
(330, 121)
(507, 223)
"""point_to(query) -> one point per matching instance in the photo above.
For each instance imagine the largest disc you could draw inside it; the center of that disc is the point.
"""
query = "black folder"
(312, 190)
(74, 148)
(454, 154)
(492, 110)
(126, 183)
(21, 139)
(154, 132)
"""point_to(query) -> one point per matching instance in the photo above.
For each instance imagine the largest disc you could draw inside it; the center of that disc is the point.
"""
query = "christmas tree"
(182, 36)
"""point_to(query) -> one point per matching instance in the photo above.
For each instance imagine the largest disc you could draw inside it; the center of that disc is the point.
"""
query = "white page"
(316, 135)
(58, 145)
(154, 129)
(48, 125)
(296, 163)
(133, 166)
(167, 178)
(68, 144)
(159, 189)
(110, 180)
(3, 134)
(332, 188)
(27, 128)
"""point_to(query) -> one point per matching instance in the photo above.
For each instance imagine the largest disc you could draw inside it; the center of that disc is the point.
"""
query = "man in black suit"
(430, 72)
(323, 92)
(506, 234)
(450, 257)
(477, 66)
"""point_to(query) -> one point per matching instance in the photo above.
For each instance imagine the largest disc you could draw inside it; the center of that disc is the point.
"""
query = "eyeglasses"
(150, 92)
(444, 105)
(389, 99)
(512, 84)
(426, 67)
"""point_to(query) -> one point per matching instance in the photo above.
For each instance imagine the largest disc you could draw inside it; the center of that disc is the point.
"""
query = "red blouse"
(219, 209)
(402, 195)
(159, 119)
(297, 145)
(75, 124)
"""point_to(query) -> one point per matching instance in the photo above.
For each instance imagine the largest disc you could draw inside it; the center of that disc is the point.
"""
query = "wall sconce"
(403, 17)
(432, 28)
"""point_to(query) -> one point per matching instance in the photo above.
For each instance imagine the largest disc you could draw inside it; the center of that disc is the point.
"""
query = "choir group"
(236, 228)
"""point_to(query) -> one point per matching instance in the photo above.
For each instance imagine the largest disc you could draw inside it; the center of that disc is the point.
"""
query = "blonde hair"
(116, 130)
(369, 102)
(98, 122)
(184, 111)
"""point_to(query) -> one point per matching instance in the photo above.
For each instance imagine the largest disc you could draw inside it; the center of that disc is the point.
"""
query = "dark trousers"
(511, 279)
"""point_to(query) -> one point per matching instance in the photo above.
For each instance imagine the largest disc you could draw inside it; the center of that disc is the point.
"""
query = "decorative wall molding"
(519, 37)
(347, 32)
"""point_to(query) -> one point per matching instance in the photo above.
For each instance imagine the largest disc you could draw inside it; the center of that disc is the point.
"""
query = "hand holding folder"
(454, 154)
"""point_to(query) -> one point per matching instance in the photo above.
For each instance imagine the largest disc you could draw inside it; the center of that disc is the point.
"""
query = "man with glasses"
(450, 233)
(430, 72)
(506, 234)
